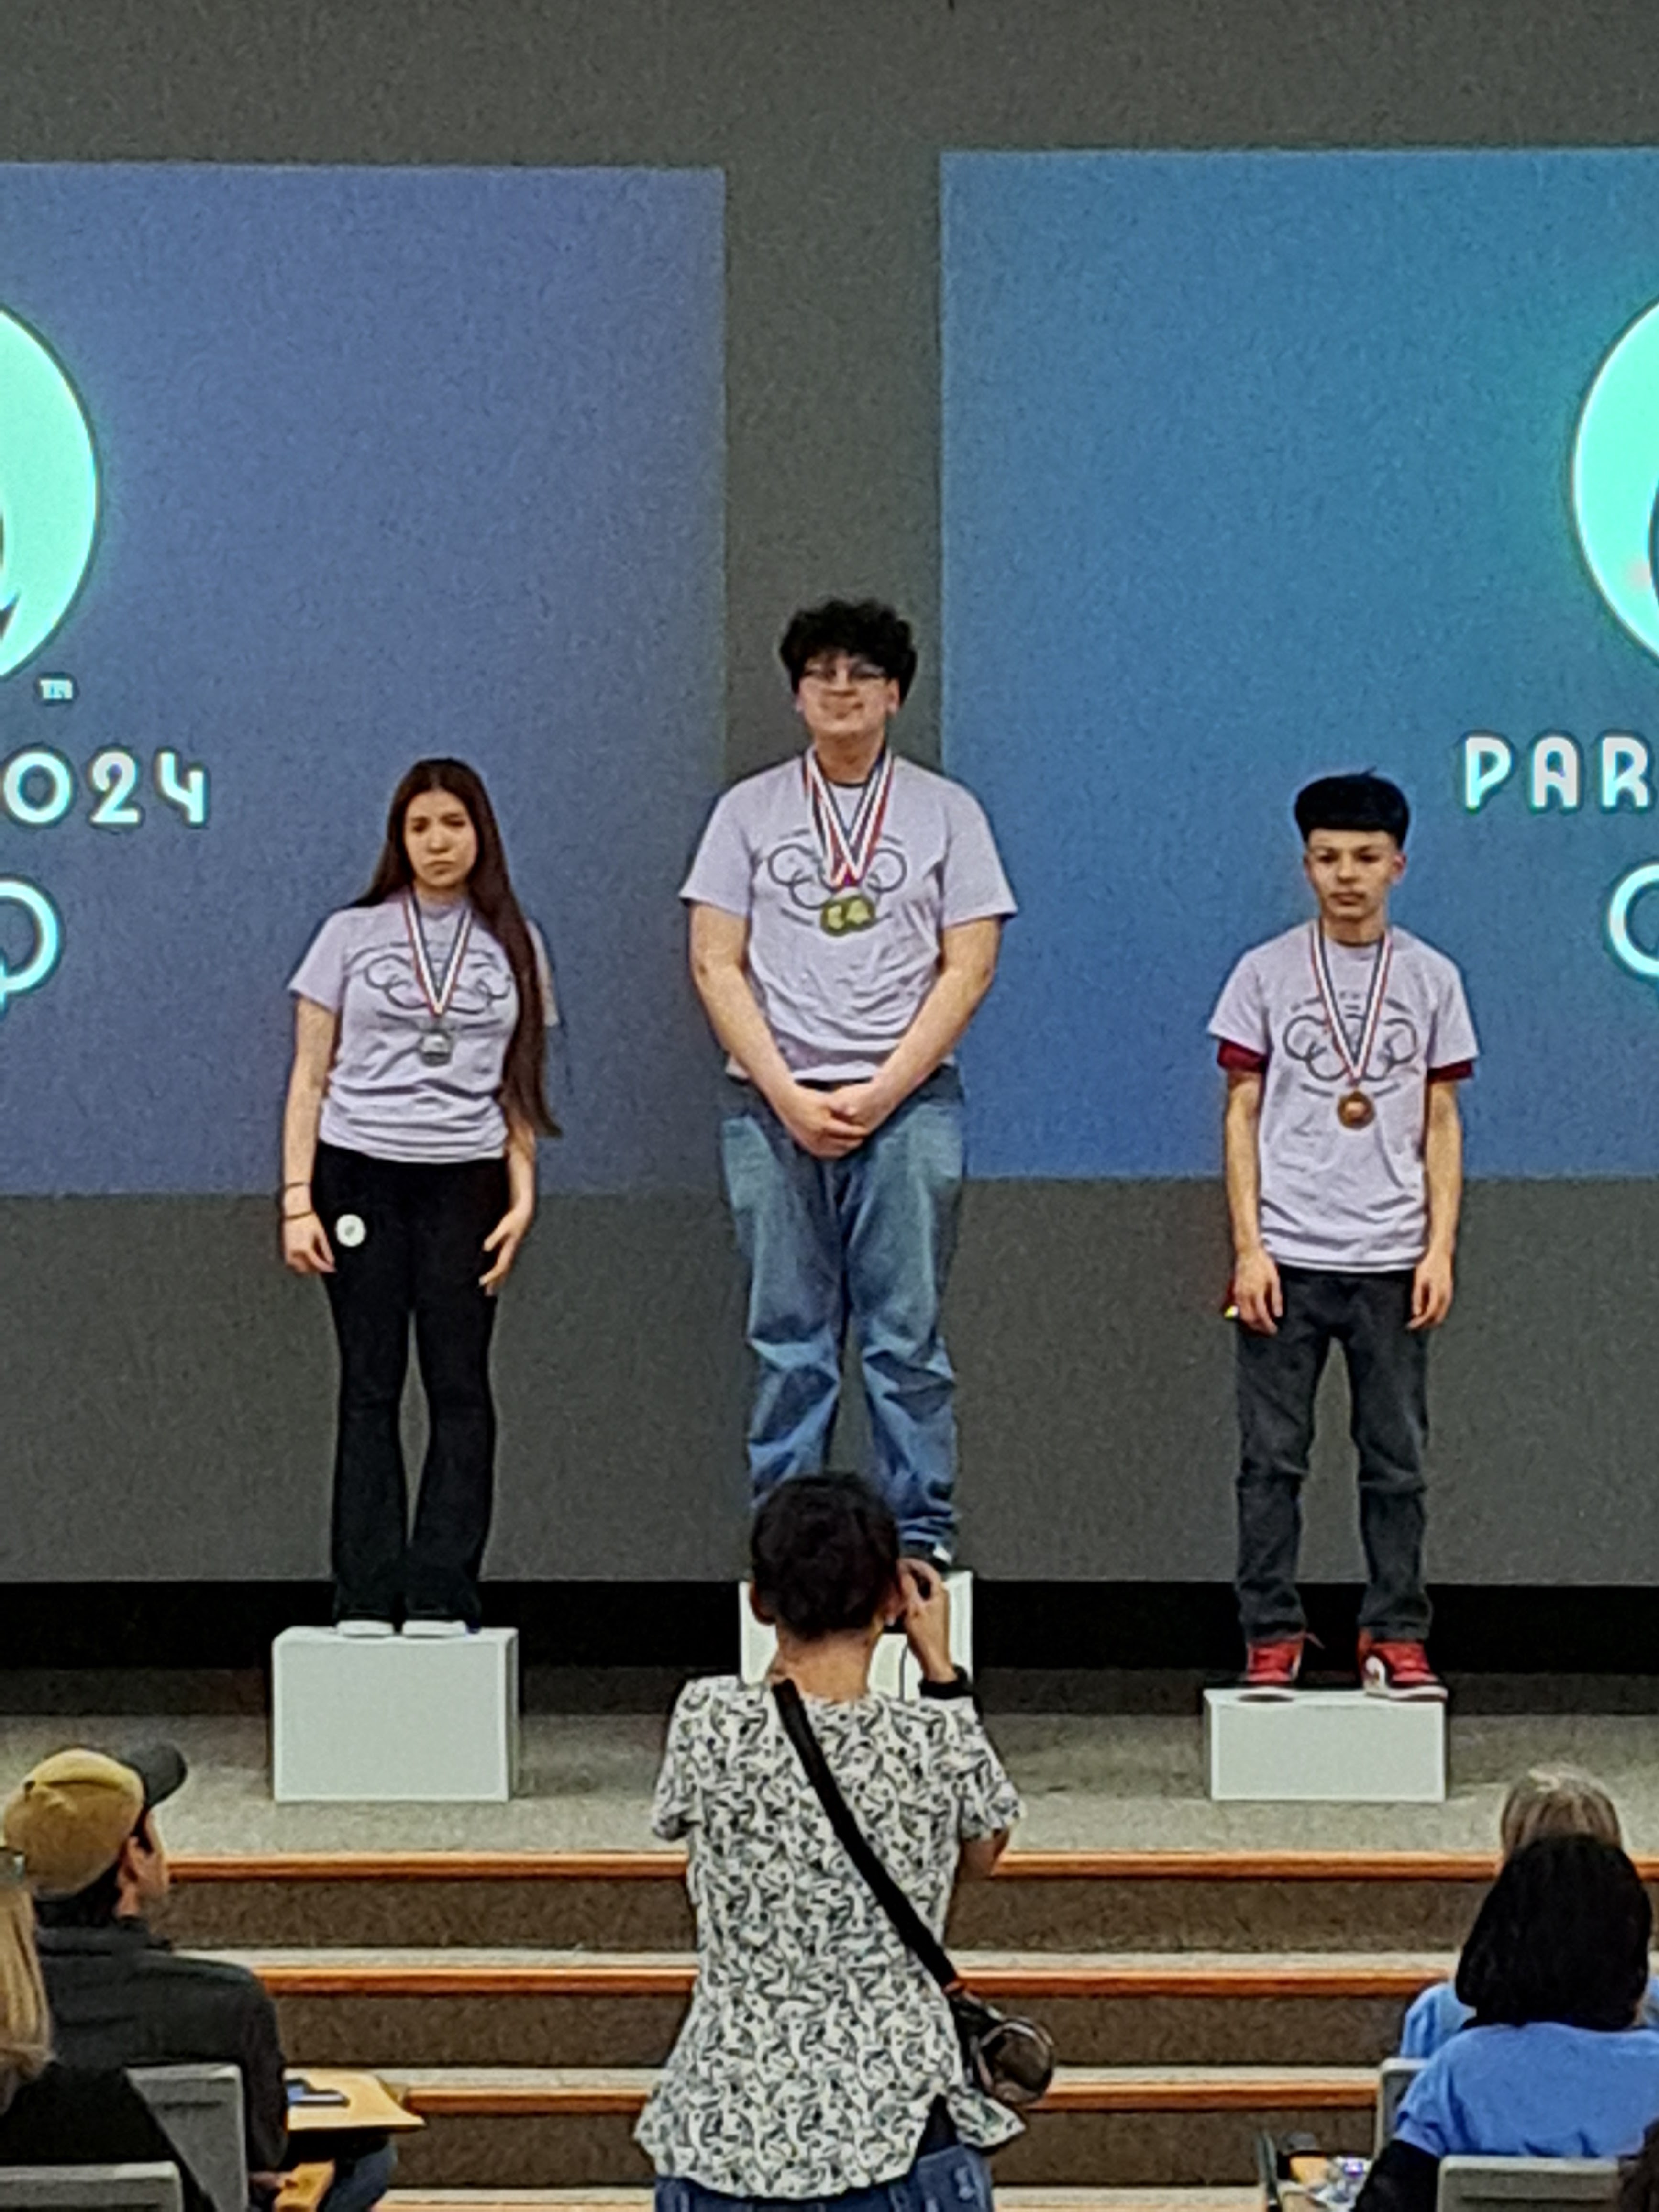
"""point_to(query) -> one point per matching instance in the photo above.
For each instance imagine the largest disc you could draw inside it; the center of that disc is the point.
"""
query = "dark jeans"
(953, 2179)
(363, 2166)
(420, 1258)
(1278, 1377)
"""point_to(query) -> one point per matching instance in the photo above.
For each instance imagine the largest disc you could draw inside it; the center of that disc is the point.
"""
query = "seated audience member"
(1552, 2064)
(53, 2115)
(1556, 1801)
(120, 1994)
(818, 2058)
(1639, 2182)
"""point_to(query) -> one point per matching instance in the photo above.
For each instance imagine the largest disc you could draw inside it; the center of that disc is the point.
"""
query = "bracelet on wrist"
(306, 1213)
(961, 1684)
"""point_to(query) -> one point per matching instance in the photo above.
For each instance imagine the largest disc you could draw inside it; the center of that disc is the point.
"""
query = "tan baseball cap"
(70, 1816)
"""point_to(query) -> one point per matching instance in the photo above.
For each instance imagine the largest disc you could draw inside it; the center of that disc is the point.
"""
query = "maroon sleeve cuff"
(1456, 1071)
(1239, 1060)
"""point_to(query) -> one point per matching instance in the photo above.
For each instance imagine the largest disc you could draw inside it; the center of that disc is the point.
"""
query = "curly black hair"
(1367, 801)
(866, 628)
(824, 1554)
(1562, 1935)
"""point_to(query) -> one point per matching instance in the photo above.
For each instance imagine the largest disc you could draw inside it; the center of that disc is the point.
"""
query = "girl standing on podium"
(418, 1094)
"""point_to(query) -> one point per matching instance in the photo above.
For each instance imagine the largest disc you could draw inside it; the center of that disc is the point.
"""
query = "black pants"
(1278, 1377)
(420, 1256)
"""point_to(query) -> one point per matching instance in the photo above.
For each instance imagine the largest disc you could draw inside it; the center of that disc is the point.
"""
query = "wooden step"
(196, 1867)
(1001, 1977)
(1143, 2127)
(638, 2200)
(552, 2008)
(636, 1901)
(520, 2091)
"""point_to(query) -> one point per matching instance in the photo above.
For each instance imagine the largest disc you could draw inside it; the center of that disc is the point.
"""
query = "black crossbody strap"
(913, 1930)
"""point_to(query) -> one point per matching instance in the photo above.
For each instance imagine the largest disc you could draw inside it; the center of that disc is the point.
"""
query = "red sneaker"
(1392, 1670)
(1270, 1669)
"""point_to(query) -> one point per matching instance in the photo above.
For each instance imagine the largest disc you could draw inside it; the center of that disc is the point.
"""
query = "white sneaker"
(428, 1631)
(361, 1629)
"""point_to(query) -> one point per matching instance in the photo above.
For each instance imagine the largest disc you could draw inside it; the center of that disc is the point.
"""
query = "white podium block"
(893, 1671)
(394, 1719)
(1338, 1745)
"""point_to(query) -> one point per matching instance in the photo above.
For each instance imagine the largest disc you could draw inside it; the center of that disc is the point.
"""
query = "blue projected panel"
(1261, 467)
(304, 473)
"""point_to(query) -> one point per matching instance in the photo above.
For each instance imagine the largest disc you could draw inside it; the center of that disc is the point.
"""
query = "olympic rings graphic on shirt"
(798, 870)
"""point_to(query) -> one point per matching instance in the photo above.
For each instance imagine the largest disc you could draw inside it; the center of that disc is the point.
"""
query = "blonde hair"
(25, 2021)
(1556, 1801)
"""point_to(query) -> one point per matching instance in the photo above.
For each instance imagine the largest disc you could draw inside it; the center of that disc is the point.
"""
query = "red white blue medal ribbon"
(1354, 1064)
(437, 993)
(847, 852)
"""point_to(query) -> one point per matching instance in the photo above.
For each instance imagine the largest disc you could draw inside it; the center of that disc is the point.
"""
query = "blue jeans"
(956, 2179)
(869, 1240)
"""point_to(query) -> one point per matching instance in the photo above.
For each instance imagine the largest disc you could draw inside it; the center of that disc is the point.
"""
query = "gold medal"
(846, 853)
(857, 910)
(1354, 1111)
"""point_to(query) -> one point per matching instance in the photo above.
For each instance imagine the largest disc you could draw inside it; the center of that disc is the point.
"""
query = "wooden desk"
(369, 2103)
(303, 2189)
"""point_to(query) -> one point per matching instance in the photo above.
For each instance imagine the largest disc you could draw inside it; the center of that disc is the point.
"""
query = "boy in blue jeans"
(847, 908)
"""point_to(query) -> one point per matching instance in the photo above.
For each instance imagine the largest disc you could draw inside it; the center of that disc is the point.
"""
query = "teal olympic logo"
(1615, 478)
(46, 932)
(1615, 512)
(48, 494)
(1621, 939)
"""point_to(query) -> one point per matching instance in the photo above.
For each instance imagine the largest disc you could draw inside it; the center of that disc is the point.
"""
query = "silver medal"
(435, 1045)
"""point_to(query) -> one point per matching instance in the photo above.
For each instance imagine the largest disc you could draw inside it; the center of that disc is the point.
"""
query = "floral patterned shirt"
(815, 2044)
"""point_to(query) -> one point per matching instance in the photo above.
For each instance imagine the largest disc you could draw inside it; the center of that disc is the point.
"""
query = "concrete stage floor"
(1093, 1777)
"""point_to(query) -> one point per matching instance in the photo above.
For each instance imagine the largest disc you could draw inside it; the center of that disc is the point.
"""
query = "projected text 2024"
(38, 788)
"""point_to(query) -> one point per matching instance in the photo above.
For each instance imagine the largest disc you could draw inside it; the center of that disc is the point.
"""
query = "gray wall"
(165, 1389)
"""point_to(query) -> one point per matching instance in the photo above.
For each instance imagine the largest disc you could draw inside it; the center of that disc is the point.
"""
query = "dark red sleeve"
(1456, 1071)
(1239, 1060)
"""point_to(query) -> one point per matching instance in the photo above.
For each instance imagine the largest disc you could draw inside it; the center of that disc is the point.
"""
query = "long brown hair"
(524, 1076)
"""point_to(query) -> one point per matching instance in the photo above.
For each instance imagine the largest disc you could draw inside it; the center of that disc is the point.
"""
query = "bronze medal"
(1354, 1111)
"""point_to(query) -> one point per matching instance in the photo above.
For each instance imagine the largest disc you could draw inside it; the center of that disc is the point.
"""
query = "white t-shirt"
(1350, 1201)
(383, 1098)
(838, 999)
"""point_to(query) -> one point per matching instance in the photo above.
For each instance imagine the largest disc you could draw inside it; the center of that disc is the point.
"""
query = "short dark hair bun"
(824, 1554)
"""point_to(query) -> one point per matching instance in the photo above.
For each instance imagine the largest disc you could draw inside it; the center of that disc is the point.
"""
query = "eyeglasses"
(842, 668)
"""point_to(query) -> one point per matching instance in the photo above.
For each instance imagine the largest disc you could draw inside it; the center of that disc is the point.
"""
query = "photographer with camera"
(820, 2058)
